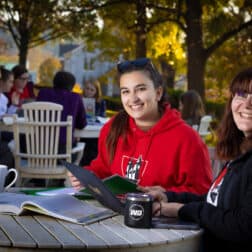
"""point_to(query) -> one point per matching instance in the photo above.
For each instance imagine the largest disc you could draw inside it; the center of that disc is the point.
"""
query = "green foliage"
(211, 139)
(174, 96)
(32, 23)
(113, 103)
(112, 40)
(166, 31)
(110, 113)
(215, 108)
(165, 42)
(116, 36)
(219, 21)
(215, 20)
(233, 56)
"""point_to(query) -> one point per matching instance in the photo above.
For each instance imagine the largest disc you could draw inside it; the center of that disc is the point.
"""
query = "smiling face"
(140, 98)
(242, 112)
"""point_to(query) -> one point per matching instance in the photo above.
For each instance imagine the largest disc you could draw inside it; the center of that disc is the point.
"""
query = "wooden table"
(42, 233)
(90, 131)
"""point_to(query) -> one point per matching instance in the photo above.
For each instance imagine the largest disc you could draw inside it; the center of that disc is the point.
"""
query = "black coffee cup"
(138, 210)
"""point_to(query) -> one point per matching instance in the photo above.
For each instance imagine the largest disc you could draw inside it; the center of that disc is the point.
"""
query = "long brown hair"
(193, 107)
(231, 141)
(120, 124)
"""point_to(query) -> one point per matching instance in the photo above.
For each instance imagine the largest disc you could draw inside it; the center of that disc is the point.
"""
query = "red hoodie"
(171, 154)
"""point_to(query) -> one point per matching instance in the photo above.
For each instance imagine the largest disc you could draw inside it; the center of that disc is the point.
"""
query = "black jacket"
(225, 212)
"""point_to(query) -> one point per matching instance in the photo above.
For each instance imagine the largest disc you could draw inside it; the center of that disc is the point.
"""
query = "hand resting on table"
(161, 206)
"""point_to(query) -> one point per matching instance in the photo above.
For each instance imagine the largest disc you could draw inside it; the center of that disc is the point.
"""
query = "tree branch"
(225, 37)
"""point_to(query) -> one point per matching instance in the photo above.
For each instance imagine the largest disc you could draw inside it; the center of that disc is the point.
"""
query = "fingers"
(156, 208)
(74, 181)
(151, 188)
(143, 188)
(157, 192)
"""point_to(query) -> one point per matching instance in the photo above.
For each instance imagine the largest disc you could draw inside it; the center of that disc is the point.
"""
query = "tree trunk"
(168, 73)
(141, 29)
(196, 54)
(23, 49)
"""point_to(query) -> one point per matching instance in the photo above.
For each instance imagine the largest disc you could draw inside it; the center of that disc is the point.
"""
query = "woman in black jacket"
(225, 212)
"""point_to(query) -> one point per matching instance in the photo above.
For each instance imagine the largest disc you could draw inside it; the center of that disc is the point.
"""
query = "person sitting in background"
(191, 107)
(225, 211)
(148, 141)
(20, 91)
(6, 83)
(92, 89)
(63, 83)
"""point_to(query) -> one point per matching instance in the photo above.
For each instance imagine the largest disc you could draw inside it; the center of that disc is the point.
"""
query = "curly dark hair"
(64, 80)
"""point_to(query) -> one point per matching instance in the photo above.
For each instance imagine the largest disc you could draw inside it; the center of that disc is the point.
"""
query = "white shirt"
(3, 104)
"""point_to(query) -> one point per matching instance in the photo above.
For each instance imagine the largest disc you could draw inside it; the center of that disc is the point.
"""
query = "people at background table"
(61, 93)
(20, 92)
(92, 89)
(191, 107)
(225, 212)
(148, 141)
(6, 83)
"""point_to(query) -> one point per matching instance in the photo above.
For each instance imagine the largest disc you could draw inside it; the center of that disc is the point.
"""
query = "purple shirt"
(72, 105)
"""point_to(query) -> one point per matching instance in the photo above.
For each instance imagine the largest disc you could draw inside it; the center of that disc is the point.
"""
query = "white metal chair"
(203, 129)
(41, 127)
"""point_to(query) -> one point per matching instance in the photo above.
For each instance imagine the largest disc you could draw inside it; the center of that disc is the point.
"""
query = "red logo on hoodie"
(131, 167)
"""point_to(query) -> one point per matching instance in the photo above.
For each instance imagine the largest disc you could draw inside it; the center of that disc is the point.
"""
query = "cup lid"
(139, 197)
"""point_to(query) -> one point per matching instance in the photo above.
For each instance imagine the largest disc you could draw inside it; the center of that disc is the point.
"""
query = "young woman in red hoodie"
(148, 141)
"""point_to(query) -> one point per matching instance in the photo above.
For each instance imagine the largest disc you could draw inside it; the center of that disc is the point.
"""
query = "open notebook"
(101, 193)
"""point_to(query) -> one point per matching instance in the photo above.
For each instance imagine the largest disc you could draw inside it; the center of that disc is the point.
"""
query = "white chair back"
(204, 125)
(41, 127)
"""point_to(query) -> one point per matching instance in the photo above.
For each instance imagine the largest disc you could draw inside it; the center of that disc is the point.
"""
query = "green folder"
(118, 185)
